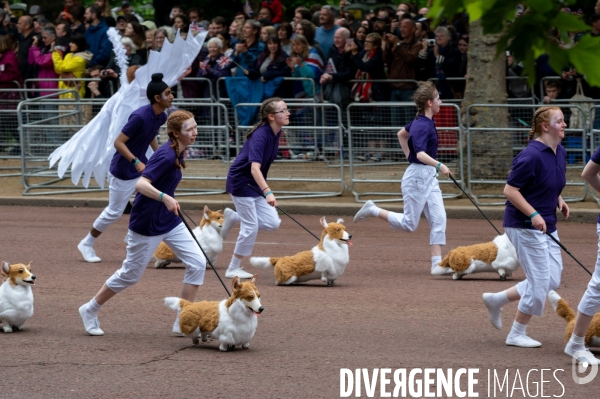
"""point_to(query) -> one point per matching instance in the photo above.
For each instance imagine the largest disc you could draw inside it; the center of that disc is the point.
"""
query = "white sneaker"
(495, 312)
(522, 341)
(582, 355)
(364, 212)
(176, 329)
(90, 323)
(228, 222)
(88, 252)
(241, 273)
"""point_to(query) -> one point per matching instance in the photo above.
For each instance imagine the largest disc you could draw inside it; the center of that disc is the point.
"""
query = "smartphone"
(507, 53)
(349, 40)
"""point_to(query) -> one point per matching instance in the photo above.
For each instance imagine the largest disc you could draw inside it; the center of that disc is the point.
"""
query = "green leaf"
(568, 22)
(585, 57)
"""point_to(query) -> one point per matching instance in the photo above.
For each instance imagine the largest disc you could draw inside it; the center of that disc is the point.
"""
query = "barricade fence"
(309, 162)
(491, 150)
(376, 160)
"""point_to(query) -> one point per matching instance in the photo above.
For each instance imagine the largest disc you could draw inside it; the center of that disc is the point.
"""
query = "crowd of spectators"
(343, 59)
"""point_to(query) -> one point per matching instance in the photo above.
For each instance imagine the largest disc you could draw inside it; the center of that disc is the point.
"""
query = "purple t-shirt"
(141, 128)
(596, 159)
(261, 147)
(541, 176)
(150, 217)
(422, 136)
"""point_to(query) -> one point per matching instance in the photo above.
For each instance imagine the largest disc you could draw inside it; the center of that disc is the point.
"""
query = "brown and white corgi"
(562, 308)
(208, 235)
(326, 261)
(16, 296)
(232, 321)
(498, 256)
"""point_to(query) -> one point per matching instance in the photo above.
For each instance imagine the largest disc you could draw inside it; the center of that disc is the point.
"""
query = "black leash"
(279, 209)
(200, 246)
(479, 209)
(188, 216)
(567, 251)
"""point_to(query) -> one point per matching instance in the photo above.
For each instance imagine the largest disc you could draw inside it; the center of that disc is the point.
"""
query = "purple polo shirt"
(422, 136)
(261, 147)
(541, 176)
(596, 159)
(141, 128)
(150, 217)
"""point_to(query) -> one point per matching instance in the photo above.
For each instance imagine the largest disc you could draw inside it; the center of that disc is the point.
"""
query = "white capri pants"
(421, 192)
(255, 213)
(541, 261)
(140, 250)
(118, 195)
(590, 302)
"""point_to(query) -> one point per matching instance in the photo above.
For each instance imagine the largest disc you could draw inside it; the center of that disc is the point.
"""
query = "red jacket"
(9, 70)
(276, 9)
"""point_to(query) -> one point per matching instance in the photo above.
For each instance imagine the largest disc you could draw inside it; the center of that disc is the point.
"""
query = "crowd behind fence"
(322, 140)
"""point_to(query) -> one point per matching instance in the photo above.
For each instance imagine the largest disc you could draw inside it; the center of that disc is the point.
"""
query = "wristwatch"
(133, 160)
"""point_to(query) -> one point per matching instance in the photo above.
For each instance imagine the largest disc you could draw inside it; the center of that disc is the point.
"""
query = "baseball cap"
(35, 10)
(125, 4)
(149, 24)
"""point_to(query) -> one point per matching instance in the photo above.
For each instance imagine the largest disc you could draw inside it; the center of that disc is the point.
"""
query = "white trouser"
(421, 192)
(590, 302)
(119, 192)
(141, 248)
(255, 213)
(541, 261)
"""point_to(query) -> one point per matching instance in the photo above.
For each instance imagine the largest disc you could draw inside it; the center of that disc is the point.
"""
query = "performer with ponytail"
(130, 159)
(533, 192)
(251, 167)
(154, 218)
(420, 187)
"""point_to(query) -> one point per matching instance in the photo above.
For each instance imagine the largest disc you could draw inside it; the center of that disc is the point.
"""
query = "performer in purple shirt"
(154, 218)
(130, 159)
(250, 168)
(532, 190)
(420, 187)
(590, 302)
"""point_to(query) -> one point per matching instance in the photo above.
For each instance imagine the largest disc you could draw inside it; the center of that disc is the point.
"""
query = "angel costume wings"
(90, 150)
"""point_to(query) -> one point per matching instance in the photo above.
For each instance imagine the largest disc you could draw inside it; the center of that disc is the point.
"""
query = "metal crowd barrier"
(310, 160)
(491, 150)
(30, 83)
(9, 130)
(208, 159)
(376, 159)
(207, 82)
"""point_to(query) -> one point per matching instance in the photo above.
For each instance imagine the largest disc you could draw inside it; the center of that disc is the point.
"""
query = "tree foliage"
(542, 29)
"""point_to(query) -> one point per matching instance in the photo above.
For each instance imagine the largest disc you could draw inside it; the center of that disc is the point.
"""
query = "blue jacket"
(98, 43)
(248, 59)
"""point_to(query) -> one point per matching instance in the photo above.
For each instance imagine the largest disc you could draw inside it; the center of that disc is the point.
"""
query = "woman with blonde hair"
(155, 218)
(305, 62)
(533, 192)
(420, 186)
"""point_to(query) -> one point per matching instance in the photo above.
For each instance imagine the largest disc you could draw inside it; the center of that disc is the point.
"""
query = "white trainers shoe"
(90, 323)
(581, 355)
(364, 212)
(88, 252)
(495, 312)
(241, 273)
(522, 341)
(228, 222)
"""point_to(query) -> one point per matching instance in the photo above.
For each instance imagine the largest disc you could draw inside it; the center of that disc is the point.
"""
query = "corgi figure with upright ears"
(16, 296)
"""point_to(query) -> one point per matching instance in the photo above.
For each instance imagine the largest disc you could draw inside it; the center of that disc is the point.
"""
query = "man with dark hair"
(276, 9)
(95, 35)
(25, 38)
(62, 34)
(324, 33)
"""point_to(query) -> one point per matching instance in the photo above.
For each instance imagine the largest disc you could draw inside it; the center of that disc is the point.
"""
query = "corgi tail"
(176, 303)
(561, 306)
(263, 262)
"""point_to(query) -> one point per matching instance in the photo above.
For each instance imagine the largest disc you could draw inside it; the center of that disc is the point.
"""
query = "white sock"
(579, 341)
(499, 299)
(89, 239)
(518, 328)
(235, 263)
(94, 306)
(374, 211)
(435, 260)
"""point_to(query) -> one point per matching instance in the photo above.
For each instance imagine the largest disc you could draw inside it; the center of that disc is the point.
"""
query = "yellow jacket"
(70, 68)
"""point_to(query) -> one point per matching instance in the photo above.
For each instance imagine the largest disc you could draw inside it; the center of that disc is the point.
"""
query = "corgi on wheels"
(232, 321)
(326, 261)
(208, 235)
(498, 256)
(16, 296)
(562, 308)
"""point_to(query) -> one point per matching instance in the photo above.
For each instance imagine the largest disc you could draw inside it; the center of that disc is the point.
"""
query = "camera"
(104, 73)
(431, 42)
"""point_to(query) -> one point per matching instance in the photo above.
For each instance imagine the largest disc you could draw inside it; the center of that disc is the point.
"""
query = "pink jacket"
(46, 69)
(9, 70)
